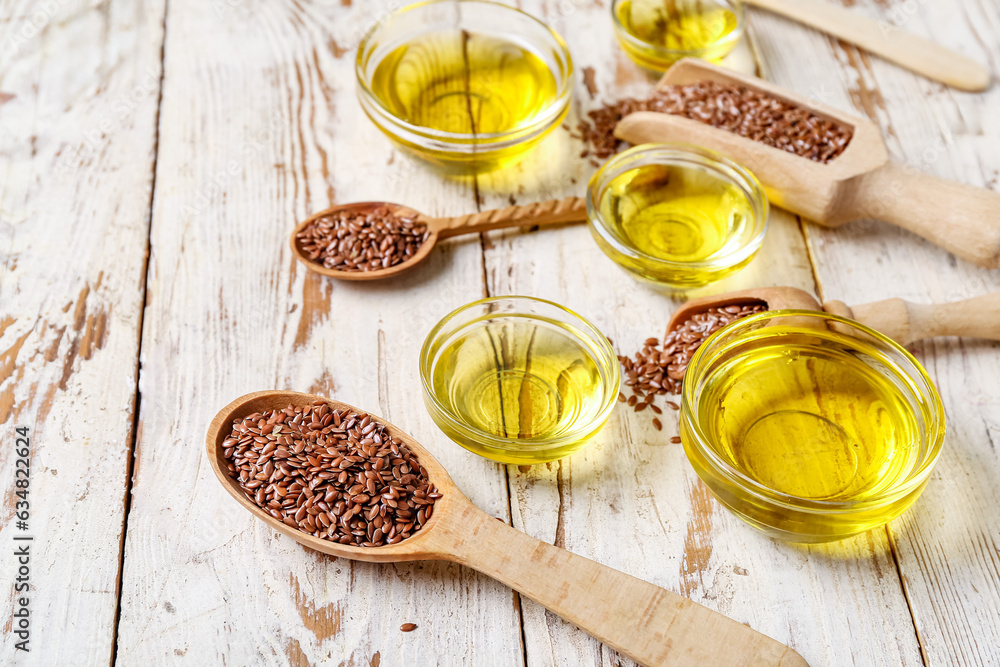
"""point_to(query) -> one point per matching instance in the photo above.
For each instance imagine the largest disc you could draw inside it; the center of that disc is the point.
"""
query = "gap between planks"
(137, 395)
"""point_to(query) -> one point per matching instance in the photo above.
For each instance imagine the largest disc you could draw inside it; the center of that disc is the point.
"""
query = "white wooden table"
(152, 162)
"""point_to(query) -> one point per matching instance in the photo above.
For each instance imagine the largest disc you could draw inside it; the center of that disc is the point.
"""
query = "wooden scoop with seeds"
(553, 212)
(651, 625)
(900, 320)
(860, 183)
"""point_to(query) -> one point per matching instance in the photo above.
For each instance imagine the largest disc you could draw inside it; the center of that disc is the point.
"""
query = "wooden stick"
(906, 50)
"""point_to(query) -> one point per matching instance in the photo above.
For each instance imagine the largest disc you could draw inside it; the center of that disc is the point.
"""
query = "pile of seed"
(361, 240)
(333, 474)
(737, 109)
(658, 368)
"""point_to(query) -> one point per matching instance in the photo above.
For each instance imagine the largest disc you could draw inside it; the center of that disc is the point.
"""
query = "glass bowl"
(810, 426)
(518, 380)
(691, 175)
(711, 29)
(453, 22)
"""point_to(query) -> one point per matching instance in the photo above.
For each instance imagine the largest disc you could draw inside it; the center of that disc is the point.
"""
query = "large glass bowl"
(827, 507)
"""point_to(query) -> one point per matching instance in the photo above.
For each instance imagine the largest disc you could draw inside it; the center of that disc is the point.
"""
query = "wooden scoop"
(860, 183)
(900, 320)
(552, 212)
(651, 625)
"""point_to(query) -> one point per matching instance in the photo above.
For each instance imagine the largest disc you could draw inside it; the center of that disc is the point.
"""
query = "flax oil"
(680, 213)
(473, 84)
(820, 422)
(660, 32)
(525, 382)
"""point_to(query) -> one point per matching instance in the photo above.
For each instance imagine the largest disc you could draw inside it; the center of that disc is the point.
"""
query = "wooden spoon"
(651, 625)
(552, 212)
(905, 49)
(900, 320)
(861, 183)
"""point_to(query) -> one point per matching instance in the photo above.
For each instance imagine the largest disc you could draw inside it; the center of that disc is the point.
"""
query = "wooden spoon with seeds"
(651, 625)
(904, 322)
(860, 183)
(552, 212)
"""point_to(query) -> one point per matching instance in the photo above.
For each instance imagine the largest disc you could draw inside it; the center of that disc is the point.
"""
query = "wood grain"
(259, 128)
(947, 544)
(77, 147)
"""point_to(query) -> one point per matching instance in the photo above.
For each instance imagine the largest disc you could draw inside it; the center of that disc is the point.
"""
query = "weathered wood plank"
(947, 545)
(77, 148)
(631, 500)
(260, 127)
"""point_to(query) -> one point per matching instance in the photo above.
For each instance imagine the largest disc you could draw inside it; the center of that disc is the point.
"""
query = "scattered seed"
(342, 477)
(408, 627)
(657, 424)
(659, 369)
(676, 439)
(737, 109)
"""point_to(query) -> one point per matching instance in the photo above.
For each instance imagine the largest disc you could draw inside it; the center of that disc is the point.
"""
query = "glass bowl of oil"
(810, 426)
(467, 85)
(657, 33)
(677, 215)
(518, 379)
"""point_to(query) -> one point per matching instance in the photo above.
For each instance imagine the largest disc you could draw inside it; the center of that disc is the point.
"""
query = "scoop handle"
(962, 219)
(905, 49)
(905, 322)
(648, 624)
(552, 212)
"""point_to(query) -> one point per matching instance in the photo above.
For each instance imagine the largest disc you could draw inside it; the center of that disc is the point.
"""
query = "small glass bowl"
(737, 252)
(461, 153)
(481, 338)
(659, 58)
(882, 484)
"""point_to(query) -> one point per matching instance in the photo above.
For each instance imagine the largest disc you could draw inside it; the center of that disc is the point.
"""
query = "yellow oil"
(700, 26)
(817, 422)
(677, 213)
(526, 381)
(465, 83)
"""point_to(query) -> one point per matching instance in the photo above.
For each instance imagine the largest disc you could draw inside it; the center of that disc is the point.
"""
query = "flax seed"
(353, 504)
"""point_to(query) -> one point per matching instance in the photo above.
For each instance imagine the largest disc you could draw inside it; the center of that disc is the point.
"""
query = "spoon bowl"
(422, 545)
(552, 212)
(602, 601)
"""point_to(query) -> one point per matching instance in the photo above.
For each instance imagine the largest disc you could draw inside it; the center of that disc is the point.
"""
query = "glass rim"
(598, 344)
(731, 38)
(935, 431)
(551, 113)
(673, 153)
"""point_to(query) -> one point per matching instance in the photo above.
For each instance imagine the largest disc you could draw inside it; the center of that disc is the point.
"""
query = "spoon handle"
(907, 322)
(552, 212)
(649, 624)
(962, 219)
